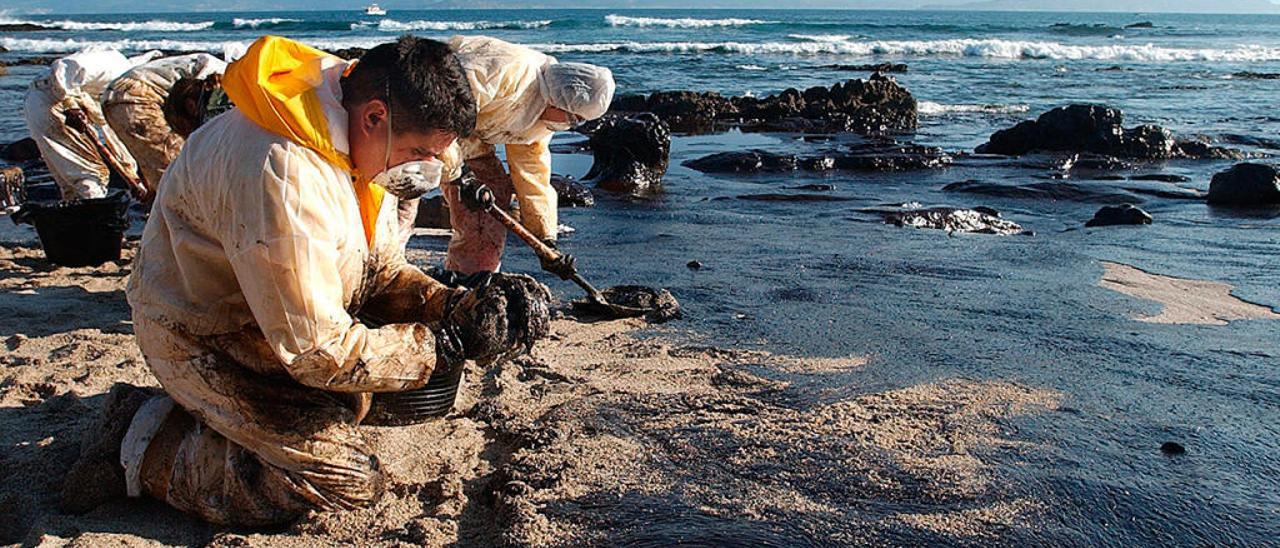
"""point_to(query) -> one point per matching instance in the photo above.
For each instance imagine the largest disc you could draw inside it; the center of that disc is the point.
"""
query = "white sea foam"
(930, 108)
(987, 48)
(255, 23)
(1004, 49)
(127, 26)
(682, 23)
(751, 67)
(821, 37)
(391, 25)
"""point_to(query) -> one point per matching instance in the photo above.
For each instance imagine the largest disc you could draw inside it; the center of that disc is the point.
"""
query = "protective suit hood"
(294, 90)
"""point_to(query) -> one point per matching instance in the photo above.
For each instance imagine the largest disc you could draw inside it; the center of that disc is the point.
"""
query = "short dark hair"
(428, 88)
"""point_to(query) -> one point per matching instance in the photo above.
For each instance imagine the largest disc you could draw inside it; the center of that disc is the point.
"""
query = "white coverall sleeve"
(530, 167)
(282, 248)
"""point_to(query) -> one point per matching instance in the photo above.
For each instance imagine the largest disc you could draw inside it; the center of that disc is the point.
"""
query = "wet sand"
(608, 433)
(1184, 301)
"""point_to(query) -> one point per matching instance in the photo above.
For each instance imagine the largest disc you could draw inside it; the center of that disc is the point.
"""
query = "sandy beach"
(602, 434)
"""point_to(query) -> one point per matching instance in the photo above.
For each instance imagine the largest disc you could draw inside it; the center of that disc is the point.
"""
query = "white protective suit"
(259, 254)
(77, 81)
(512, 86)
(134, 108)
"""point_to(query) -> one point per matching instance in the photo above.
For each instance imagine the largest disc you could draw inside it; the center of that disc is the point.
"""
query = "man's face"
(367, 133)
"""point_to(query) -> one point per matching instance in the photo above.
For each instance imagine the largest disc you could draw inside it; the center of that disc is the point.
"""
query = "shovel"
(595, 303)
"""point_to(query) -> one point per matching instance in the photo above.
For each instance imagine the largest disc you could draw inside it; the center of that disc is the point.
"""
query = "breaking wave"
(826, 38)
(128, 26)
(929, 108)
(256, 23)
(681, 23)
(391, 25)
(984, 48)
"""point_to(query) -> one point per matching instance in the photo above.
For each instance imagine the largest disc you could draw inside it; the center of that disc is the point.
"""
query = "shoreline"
(578, 443)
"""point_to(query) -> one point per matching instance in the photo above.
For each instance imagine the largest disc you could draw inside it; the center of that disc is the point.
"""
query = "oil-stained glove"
(474, 194)
(564, 266)
(499, 319)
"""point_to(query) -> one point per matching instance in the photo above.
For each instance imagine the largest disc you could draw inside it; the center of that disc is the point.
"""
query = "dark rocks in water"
(571, 193)
(871, 156)
(1047, 191)
(1096, 129)
(631, 153)
(662, 305)
(981, 220)
(1141, 25)
(1125, 214)
(892, 156)
(1246, 185)
(774, 197)
(349, 53)
(1162, 177)
(749, 161)
(878, 67)
(694, 265)
(1249, 75)
(433, 212)
(22, 150)
(1172, 448)
(23, 27)
(1200, 150)
(814, 187)
(872, 106)
(686, 111)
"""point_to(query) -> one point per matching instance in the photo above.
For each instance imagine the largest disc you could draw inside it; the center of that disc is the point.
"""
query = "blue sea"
(826, 279)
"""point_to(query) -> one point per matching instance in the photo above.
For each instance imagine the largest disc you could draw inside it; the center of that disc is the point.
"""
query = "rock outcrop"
(871, 156)
(876, 105)
(1246, 185)
(1099, 130)
(631, 153)
(979, 220)
(1124, 214)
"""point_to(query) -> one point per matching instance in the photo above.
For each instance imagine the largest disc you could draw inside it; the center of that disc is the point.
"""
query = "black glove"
(564, 266)
(474, 194)
(503, 317)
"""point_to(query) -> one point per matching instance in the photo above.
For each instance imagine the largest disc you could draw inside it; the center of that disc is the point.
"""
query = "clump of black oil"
(822, 279)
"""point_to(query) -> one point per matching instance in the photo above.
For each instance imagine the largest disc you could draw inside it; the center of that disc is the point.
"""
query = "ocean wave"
(391, 25)
(821, 37)
(127, 26)
(751, 67)
(985, 48)
(682, 23)
(930, 108)
(51, 45)
(267, 22)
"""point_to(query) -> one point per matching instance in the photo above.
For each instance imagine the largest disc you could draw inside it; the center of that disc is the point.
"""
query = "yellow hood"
(275, 85)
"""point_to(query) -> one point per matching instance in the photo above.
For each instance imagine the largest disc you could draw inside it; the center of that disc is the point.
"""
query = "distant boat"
(373, 9)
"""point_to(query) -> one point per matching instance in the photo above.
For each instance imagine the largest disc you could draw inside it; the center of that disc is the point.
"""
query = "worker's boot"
(98, 476)
(504, 316)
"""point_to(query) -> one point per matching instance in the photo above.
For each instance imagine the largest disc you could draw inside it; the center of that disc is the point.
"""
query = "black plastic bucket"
(79, 233)
(432, 401)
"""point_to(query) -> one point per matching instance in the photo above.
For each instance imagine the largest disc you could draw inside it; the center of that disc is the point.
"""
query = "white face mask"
(410, 179)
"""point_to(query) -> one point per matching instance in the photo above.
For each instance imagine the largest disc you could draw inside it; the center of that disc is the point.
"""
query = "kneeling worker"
(134, 108)
(522, 97)
(270, 235)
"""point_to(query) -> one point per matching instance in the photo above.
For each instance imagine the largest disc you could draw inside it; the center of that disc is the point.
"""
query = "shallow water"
(825, 279)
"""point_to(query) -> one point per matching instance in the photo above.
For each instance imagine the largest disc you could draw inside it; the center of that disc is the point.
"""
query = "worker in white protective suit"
(73, 88)
(134, 108)
(522, 98)
(271, 296)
